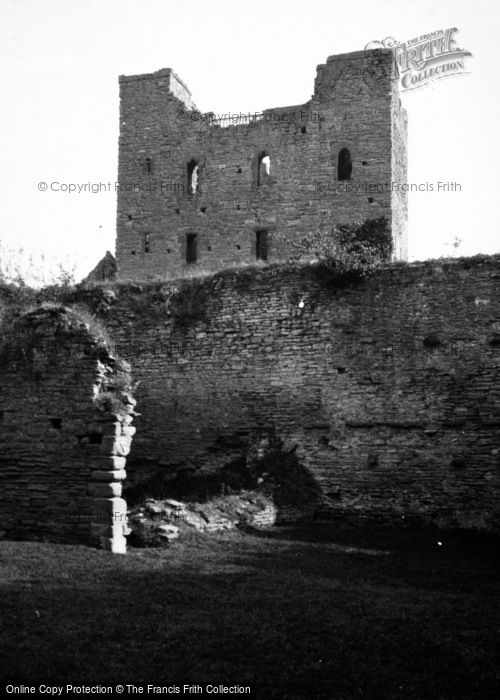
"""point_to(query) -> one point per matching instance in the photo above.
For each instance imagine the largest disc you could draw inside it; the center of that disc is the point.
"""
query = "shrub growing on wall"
(350, 250)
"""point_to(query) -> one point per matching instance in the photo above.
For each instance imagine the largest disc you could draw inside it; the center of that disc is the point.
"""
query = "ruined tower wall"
(161, 133)
(399, 178)
(64, 433)
(387, 390)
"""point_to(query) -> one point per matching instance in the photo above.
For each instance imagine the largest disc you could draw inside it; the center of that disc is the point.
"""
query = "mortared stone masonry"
(200, 193)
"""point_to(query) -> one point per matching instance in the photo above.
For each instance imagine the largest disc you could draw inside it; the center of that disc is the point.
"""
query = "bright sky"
(61, 59)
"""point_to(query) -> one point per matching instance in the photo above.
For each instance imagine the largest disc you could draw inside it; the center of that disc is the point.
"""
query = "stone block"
(110, 463)
(118, 445)
(115, 545)
(115, 507)
(105, 490)
(98, 530)
(118, 475)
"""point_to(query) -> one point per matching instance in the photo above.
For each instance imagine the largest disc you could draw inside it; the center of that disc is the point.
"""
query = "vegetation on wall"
(189, 302)
(348, 251)
(20, 293)
(20, 332)
(21, 268)
(117, 390)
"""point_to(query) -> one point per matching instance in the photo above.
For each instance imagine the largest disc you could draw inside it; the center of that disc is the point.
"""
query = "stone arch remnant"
(65, 430)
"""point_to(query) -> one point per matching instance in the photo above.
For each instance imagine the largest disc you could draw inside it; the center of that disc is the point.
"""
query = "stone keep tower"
(202, 193)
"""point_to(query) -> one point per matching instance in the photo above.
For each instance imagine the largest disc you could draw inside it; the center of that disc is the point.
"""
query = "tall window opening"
(191, 248)
(263, 167)
(148, 165)
(193, 173)
(261, 245)
(344, 166)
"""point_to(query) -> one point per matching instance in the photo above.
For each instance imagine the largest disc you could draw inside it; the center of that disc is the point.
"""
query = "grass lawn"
(317, 612)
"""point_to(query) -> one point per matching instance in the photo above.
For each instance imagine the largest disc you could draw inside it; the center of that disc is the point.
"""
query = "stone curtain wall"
(388, 391)
(65, 430)
(354, 106)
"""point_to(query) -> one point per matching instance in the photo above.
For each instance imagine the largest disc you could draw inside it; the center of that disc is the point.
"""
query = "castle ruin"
(200, 192)
(384, 392)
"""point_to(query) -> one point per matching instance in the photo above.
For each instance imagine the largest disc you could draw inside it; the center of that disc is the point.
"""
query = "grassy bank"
(310, 613)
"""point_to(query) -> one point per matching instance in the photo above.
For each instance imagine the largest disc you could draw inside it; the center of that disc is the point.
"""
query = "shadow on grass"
(373, 534)
(287, 614)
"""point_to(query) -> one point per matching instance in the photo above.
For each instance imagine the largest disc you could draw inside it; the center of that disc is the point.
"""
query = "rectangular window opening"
(191, 248)
(261, 246)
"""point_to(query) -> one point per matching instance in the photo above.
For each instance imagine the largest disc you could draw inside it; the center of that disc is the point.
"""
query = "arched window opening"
(263, 168)
(193, 173)
(344, 167)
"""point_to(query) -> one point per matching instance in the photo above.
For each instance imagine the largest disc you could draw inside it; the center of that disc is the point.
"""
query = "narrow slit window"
(261, 245)
(146, 243)
(148, 165)
(344, 167)
(263, 168)
(191, 248)
(193, 173)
